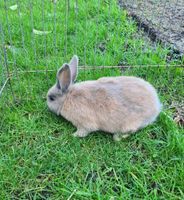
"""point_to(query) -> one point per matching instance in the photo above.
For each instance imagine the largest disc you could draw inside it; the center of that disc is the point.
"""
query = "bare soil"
(162, 19)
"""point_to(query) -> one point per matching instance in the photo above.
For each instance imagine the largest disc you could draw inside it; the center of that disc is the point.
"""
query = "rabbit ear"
(74, 67)
(64, 77)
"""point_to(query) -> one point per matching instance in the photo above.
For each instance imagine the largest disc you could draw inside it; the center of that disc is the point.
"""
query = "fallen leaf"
(14, 7)
(38, 32)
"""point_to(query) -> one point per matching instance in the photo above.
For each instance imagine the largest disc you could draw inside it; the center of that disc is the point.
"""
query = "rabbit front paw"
(81, 133)
(117, 137)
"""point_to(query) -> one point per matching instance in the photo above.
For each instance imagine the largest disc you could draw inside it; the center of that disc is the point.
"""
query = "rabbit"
(119, 105)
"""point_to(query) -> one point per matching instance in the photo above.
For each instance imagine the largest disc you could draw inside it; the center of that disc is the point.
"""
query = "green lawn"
(39, 158)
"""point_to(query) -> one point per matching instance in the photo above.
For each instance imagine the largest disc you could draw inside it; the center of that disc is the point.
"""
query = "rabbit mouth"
(59, 110)
(51, 108)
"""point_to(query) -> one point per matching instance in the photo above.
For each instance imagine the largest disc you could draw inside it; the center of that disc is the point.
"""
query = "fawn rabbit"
(119, 105)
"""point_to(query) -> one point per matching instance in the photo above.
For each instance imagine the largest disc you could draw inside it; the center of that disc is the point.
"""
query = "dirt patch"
(178, 112)
(163, 20)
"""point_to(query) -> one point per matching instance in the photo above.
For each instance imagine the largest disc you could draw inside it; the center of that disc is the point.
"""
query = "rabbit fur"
(118, 105)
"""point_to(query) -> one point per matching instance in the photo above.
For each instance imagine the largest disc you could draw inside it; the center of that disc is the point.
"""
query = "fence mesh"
(38, 36)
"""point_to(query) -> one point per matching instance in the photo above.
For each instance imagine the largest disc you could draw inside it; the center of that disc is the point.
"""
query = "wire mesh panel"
(39, 36)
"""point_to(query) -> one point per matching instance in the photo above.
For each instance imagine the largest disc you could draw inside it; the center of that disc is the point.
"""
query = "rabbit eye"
(52, 97)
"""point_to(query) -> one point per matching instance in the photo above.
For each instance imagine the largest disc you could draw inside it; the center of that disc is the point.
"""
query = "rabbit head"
(66, 76)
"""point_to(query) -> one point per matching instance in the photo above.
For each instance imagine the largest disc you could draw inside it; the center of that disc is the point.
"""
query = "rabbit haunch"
(119, 105)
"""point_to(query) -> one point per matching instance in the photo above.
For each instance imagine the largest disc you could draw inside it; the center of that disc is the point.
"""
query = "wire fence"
(38, 36)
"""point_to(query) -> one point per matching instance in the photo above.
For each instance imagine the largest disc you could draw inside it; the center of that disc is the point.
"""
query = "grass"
(39, 157)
